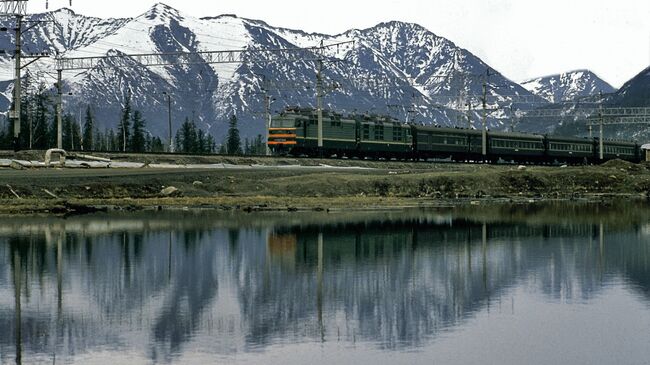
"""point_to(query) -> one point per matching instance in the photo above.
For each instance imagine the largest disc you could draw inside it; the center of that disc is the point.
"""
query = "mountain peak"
(635, 92)
(64, 10)
(568, 86)
(162, 11)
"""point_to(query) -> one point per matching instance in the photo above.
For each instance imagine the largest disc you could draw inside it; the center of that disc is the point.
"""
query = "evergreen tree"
(177, 142)
(200, 142)
(186, 137)
(223, 149)
(89, 131)
(260, 146)
(247, 147)
(125, 124)
(113, 141)
(42, 114)
(71, 133)
(98, 141)
(210, 144)
(5, 134)
(138, 143)
(156, 145)
(233, 142)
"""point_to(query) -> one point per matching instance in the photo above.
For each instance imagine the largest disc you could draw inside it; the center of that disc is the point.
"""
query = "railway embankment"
(307, 184)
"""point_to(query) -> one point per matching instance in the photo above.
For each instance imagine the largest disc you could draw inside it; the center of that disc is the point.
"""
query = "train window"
(397, 133)
(366, 131)
(335, 121)
(379, 132)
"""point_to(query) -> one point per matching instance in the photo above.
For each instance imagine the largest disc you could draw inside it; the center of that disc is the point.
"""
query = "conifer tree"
(42, 115)
(156, 145)
(223, 150)
(124, 129)
(247, 147)
(89, 131)
(138, 143)
(113, 141)
(71, 133)
(210, 144)
(233, 142)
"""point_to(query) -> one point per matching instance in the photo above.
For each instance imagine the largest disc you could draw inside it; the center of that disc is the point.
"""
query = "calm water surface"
(543, 284)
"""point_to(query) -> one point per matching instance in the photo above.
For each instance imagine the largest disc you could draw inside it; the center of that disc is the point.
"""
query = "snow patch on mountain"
(394, 68)
(568, 86)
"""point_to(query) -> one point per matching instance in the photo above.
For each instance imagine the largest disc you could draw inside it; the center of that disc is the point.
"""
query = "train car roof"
(571, 139)
(516, 135)
(431, 128)
(621, 143)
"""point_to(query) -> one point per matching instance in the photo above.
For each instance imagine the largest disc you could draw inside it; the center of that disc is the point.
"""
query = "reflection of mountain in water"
(394, 283)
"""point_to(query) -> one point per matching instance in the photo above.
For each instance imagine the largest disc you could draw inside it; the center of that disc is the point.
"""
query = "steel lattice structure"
(593, 122)
(13, 7)
(604, 112)
(201, 57)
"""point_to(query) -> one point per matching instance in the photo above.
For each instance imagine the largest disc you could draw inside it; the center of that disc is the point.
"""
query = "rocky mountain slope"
(568, 86)
(393, 68)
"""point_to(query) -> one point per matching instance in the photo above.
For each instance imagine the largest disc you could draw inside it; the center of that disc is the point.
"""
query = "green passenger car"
(623, 150)
(516, 146)
(454, 143)
(570, 149)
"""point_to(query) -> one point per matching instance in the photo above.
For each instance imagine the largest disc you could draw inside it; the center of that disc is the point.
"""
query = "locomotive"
(295, 132)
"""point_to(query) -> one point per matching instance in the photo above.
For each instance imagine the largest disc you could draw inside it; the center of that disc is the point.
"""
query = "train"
(294, 132)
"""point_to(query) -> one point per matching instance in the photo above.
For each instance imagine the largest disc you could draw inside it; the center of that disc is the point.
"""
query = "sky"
(522, 39)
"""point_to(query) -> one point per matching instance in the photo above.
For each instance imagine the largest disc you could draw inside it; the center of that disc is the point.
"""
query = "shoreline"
(380, 185)
(275, 204)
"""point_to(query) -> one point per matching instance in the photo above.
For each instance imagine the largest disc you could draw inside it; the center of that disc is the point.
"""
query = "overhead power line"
(201, 57)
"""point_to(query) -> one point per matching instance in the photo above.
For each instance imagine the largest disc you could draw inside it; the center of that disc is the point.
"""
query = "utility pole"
(600, 117)
(484, 122)
(17, 82)
(267, 117)
(17, 9)
(169, 122)
(170, 146)
(469, 114)
(513, 119)
(266, 85)
(59, 110)
(319, 99)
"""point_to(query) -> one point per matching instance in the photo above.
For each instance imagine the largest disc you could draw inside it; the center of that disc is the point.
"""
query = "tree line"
(39, 131)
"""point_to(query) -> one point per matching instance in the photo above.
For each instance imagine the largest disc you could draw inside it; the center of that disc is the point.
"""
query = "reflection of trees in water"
(195, 286)
(398, 284)
(90, 291)
(393, 283)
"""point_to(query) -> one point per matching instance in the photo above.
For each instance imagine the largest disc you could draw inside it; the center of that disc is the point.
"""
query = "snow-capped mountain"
(568, 86)
(635, 92)
(393, 68)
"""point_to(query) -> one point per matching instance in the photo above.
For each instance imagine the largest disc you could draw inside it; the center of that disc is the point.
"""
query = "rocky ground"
(264, 184)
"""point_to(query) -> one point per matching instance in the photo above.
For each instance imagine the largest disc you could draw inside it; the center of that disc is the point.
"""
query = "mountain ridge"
(396, 68)
(567, 86)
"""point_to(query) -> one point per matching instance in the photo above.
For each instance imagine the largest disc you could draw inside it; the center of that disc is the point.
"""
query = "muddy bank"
(65, 190)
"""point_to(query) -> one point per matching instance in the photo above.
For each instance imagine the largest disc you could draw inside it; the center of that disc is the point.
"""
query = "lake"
(528, 284)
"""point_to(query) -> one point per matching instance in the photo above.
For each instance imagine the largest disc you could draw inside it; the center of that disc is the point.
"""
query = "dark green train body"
(295, 132)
